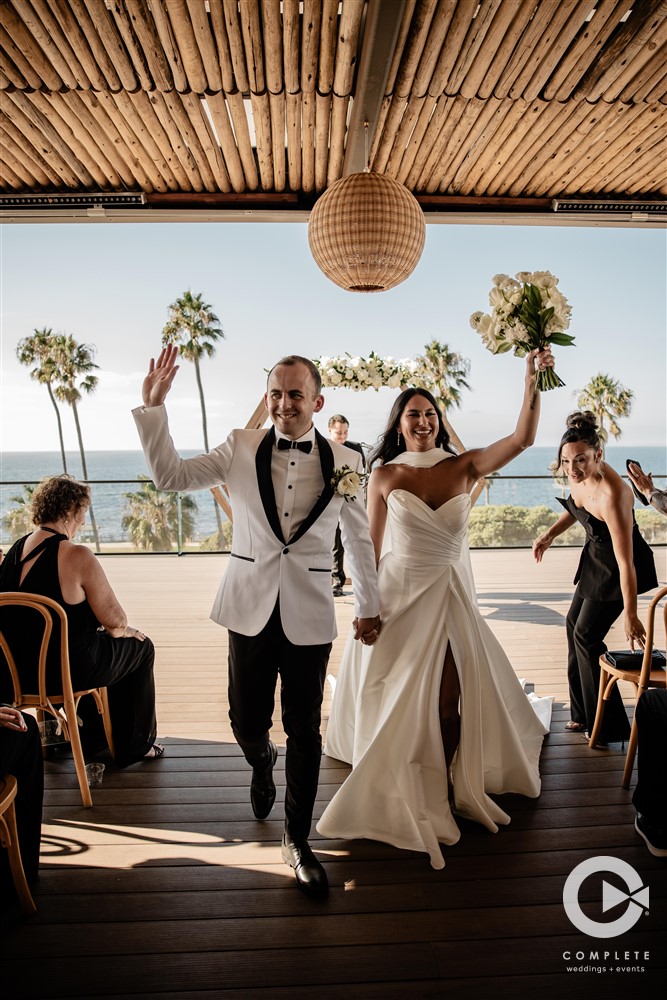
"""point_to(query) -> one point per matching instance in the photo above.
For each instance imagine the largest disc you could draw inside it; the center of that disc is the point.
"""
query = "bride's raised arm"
(496, 455)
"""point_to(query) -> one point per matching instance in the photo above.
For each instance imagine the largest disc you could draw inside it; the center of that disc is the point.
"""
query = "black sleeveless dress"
(597, 574)
(123, 666)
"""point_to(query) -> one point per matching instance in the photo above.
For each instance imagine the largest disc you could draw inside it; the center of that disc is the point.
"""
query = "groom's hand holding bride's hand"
(367, 629)
(160, 376)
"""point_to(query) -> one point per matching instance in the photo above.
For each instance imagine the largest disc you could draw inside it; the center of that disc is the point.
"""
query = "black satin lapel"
(265, 481)
(327, 464)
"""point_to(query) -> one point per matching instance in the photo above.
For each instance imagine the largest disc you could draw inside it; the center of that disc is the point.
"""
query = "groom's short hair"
(295, 359)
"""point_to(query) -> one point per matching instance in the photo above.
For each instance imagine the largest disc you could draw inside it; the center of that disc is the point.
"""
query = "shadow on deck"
(168, 888)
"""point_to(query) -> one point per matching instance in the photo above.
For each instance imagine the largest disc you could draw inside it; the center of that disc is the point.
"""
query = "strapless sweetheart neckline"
(434, 510)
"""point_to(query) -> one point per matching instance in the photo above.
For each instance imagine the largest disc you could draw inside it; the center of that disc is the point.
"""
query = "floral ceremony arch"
(347, 371)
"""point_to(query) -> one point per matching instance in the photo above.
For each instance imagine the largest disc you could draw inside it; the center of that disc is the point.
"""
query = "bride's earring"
(398, 438)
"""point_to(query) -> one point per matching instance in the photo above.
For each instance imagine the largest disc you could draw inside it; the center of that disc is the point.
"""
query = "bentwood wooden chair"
(641, 680)
(9, 839)
(36, 694)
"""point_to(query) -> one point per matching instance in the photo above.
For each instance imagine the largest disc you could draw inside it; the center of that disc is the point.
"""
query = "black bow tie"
(284, 444)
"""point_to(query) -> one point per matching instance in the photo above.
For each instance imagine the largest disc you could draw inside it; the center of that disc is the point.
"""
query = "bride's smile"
(419, 424)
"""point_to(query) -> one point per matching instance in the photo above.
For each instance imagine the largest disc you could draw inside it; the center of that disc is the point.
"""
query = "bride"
(432, 716)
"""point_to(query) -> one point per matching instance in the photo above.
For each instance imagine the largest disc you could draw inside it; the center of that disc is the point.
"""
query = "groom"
(275, 599)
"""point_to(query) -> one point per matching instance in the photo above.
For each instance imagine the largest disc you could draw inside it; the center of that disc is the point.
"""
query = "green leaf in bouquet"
(562, 339)
(503, 347)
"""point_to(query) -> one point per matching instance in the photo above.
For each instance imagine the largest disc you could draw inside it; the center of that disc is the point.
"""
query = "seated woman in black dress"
(616, 564)
(104, 650)
(21, 755)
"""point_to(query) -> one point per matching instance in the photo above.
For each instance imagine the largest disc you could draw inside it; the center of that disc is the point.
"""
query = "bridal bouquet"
(373, 372)
(528, 312)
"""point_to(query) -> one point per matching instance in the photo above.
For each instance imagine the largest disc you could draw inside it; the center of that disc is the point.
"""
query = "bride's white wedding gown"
(385, 719)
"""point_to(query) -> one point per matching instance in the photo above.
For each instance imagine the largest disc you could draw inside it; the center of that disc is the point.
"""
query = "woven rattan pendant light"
(367, 232)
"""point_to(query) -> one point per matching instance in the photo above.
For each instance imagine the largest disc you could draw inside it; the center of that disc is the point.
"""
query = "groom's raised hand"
(160, 376)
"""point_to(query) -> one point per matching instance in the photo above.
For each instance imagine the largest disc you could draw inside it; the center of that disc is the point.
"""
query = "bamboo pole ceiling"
(252, 102)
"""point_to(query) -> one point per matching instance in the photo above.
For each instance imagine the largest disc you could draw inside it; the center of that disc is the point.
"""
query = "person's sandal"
(155, 751)
(575, 727)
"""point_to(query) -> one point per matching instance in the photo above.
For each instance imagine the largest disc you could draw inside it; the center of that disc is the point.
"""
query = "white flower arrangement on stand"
(528, 312)
(373, 372)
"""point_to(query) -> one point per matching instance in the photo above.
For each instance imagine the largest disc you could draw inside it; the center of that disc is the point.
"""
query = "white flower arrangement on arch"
(354, 372)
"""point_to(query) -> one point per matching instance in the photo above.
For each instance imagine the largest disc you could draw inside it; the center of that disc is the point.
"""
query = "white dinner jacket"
(262, 565)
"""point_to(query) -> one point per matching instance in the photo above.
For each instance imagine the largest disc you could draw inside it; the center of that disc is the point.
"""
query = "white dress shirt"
(297, 482)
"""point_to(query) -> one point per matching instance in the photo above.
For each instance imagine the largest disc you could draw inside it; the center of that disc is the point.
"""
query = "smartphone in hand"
(640, 496)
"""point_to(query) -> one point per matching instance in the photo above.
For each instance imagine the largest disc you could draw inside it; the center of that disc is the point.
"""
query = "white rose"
(348, 485)
(496, 298)
(525, 276)
(324, 362)
(335, 378)
(476, 318)
(349, 374)
(376, 382)
(544, 279)
(500, 279)
(489, 339)
(394, 381)
(354, 362)
(516, 297)
(484, 324)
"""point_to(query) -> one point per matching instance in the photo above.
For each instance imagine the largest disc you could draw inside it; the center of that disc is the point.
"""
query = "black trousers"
(21, 755)
(125, 668)
(338, 575)
(587, 625)
(254, 665)
(650, 795)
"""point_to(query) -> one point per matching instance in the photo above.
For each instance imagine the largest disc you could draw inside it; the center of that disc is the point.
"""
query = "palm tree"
(607, 399)
(74, 362)
(152, 517)
(18, 521)
(194, 328)
(39, 350)
(449, 371)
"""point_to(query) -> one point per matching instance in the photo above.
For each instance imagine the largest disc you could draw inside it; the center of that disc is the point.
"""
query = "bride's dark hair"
(581, 426)
(389, 446)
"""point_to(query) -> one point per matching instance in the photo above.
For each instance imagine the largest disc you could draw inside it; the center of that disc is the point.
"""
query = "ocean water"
(525, 482)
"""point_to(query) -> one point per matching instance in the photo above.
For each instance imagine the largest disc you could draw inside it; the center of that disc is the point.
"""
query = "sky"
(110, 285)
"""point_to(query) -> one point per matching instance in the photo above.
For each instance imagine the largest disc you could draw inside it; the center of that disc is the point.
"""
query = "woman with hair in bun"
(616, 564)
(104, 650)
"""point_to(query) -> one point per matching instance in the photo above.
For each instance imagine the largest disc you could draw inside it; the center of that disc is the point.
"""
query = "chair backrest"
(37, 695)
(645, 671)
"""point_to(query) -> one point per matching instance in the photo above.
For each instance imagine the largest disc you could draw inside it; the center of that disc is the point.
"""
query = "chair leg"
(630, 756)
(77, 754)
(8, 827)
(106, 716)
(599, 714)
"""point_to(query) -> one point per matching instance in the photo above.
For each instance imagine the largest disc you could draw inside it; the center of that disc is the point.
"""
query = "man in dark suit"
(339, 428)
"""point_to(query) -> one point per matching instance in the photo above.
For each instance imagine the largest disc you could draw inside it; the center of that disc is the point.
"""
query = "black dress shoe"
(262, 787)
(311, 877)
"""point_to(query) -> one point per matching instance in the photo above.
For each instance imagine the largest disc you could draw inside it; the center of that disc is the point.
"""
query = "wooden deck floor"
(168, 888)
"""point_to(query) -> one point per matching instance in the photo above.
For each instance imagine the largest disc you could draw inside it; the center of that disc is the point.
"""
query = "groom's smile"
(291, 400)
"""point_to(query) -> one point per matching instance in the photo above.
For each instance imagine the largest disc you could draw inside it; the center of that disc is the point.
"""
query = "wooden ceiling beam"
(383, 21)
